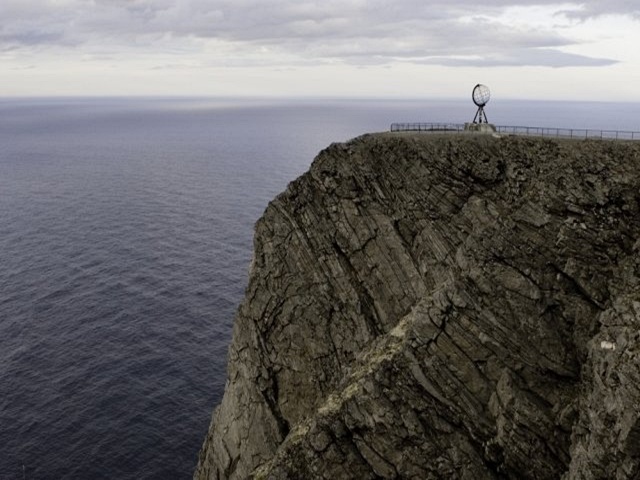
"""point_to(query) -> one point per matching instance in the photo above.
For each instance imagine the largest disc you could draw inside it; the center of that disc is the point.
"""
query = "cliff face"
(441, 307)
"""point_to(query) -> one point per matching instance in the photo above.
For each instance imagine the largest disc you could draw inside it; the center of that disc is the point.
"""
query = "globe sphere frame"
(481, 95)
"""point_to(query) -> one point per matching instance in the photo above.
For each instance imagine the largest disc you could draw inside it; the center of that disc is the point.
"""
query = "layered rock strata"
(432, 306)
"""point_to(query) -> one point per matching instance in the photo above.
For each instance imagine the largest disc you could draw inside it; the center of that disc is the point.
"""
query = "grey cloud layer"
(354, 31)
(610, 7)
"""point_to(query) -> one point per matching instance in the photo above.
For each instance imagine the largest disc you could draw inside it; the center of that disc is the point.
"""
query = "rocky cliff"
(433, 306)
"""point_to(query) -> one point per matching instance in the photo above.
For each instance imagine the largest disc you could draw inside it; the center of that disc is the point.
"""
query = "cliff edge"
(434, 306)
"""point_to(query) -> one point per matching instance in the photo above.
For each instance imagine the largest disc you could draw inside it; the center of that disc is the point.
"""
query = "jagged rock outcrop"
(434, 306)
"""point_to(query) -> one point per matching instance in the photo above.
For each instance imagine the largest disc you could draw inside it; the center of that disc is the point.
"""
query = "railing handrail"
(558, 132)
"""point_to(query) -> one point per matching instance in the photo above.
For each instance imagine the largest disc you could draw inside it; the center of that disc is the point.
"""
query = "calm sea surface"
(125, 239)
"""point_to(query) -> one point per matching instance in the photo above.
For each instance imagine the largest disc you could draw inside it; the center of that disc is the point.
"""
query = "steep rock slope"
(433, 306)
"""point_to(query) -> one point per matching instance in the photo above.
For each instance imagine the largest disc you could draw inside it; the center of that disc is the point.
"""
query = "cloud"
(543, 57)
(29, 38)
(457, 32)
(586, 10)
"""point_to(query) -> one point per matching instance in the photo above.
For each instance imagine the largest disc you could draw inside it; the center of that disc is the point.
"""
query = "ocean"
(125, 239)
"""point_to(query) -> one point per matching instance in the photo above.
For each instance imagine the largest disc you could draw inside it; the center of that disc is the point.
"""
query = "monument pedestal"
(480, 127)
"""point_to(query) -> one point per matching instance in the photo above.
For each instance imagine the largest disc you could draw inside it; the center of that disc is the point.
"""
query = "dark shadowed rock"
(456, 307)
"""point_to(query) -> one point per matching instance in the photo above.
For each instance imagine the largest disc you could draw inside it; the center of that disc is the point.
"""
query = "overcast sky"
(357, 48)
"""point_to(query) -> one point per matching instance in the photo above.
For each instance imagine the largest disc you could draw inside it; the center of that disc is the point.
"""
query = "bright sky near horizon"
(533, 49)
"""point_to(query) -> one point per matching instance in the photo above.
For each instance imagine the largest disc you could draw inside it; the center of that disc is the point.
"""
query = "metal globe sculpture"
(481, 95)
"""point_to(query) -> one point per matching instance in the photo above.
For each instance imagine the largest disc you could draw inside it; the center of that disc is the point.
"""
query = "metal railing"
(520, 130)
(427, 127)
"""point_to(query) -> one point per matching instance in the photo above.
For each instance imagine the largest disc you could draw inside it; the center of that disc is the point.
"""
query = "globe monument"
(480, 96)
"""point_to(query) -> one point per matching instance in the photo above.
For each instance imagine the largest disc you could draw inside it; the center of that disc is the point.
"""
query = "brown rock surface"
(432, 306)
